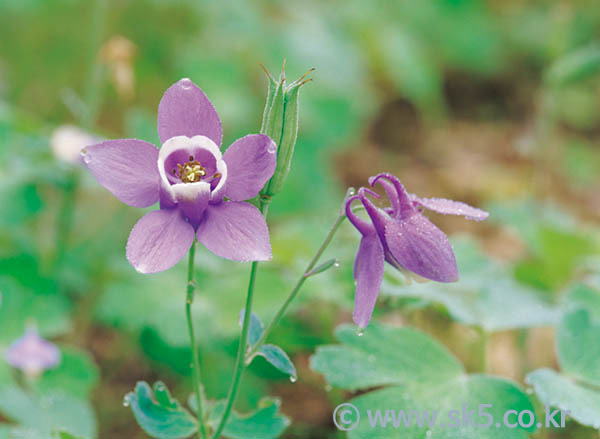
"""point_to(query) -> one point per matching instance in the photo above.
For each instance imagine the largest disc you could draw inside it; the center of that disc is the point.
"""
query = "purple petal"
(379, 217)
(368, 274)
(127, 168)
(184, 110)
(192, 199)
(250, 162)
(364, 227)
(399, 199)
(236, 231)
(450, 207)
(419, 246)
(159, 240)
(32, 354)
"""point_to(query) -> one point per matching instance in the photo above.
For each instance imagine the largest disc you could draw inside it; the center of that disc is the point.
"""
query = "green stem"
(239, 362)
(191, 286)
(334, 228)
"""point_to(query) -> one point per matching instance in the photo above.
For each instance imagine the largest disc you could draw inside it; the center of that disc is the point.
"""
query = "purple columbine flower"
(32, 354)
(201, 191)
(403, 237)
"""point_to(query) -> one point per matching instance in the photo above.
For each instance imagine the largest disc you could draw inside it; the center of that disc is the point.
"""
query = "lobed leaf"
(416, 373)
(158, 413)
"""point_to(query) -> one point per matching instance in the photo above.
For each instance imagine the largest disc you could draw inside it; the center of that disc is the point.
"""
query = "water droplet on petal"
(272, 148)
(185, 83)
(293, 379)
(86, 157)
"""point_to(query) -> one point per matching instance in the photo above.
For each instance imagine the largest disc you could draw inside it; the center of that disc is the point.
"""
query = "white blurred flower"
(67, 141)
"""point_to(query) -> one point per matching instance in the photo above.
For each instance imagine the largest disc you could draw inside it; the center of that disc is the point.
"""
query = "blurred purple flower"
(403, 237)
(32, 354)
(191, 178)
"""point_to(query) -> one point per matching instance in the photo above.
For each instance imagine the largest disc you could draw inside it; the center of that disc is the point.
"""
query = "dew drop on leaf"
(293, 379)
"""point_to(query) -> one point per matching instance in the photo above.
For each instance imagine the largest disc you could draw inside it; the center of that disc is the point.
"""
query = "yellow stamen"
(192, 171)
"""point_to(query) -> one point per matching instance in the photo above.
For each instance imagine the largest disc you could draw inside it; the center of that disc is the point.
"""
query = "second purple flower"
(403, 237)
(201, 191)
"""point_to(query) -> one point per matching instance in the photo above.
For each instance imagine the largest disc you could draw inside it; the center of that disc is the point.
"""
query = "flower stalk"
(240, 362)
(334, 228)
(280, 123)
(191, 287)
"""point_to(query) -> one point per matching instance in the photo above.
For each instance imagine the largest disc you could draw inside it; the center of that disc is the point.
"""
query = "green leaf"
(158, 413)
(557, 390)
(575, 66)
(264, 423)
(416, 373)
(323, 267)
(561, 251)
(576, 389)
(255, 329)
(47, 412)
(586, 297)
(578, 346)
(17, 432)
(475, 300)
(383, 355)
(278, 358)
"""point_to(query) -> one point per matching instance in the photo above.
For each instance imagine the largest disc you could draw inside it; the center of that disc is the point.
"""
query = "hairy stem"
(241, 354)
(191, 286)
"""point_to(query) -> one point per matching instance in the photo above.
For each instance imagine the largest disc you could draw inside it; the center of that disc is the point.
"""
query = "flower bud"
(280, 123)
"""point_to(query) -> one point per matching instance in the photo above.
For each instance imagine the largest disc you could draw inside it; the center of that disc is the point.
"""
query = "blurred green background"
(495, 103)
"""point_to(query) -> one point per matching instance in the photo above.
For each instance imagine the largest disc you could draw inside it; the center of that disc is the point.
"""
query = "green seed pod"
(272, 88)
(273, 125)
(280, 123)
